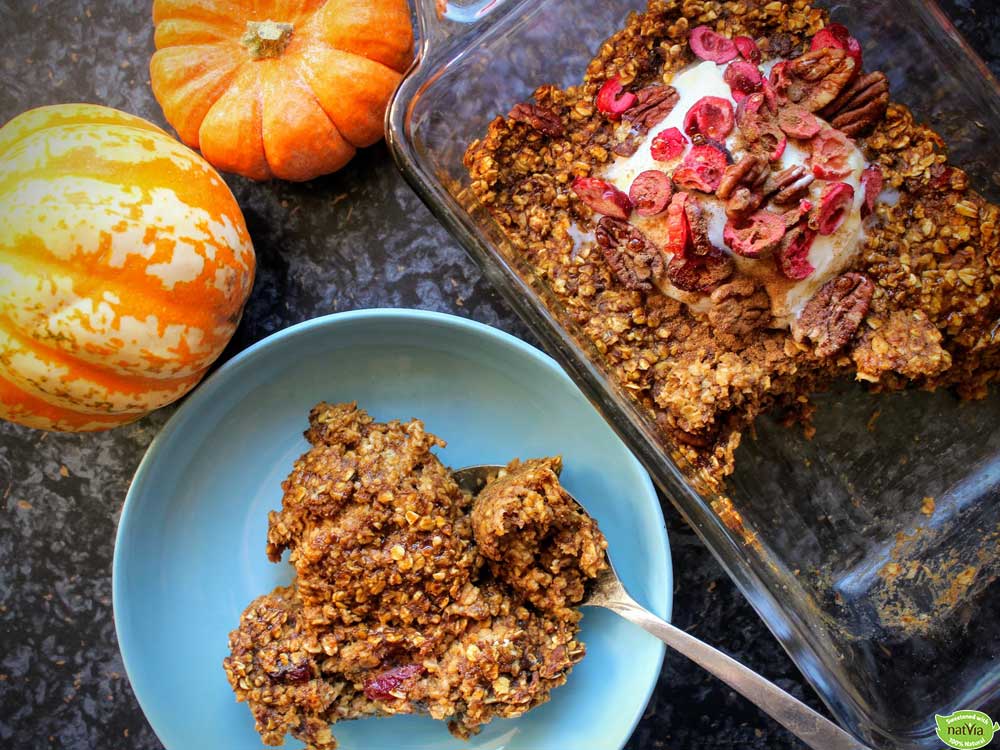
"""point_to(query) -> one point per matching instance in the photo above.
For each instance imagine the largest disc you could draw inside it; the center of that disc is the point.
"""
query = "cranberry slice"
(798, 122)
(702, 169)
(602, 197)
(708, 45)
(759, 234)
(678, 229)
(779, 80)
(382, 686)
(835, 204)
(871, 182)
(668, 145)
(830, 155)
(613, 100)
(747, 48)
(792, 255)
(650, 192)
(836, 35)
(743, 78)
(712, 116)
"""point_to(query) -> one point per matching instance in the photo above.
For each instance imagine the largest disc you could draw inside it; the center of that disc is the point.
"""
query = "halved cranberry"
(712, 116)
(613, 100)
(792, 255)
(749, 106)
(798, 122)
(780, 143)
(650, 192)
(702, 169)
(835, 204)
(709, 45)
(668, 145)
(760, 233)
(603, 197)
(779, 79)
(747, 48)
(743, 78)
(678, 229)
(836, 35)
(871, 182)
(830, 157)
(383, 686)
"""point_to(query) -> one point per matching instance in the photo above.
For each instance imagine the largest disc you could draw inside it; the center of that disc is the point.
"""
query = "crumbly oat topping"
(932, 257)
(410, 596)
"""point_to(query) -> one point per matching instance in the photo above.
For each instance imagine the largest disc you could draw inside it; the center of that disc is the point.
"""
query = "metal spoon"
(608, 591)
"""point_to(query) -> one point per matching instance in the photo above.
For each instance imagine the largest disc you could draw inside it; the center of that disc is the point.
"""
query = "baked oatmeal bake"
(410, 595)
(730, 212)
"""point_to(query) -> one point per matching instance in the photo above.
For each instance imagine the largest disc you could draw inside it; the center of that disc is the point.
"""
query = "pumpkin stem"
(266, 38)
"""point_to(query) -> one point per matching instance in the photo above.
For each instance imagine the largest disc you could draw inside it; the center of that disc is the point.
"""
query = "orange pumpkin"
(279, 88)
(124, 267)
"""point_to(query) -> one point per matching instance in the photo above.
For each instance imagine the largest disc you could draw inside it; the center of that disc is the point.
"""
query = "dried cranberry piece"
(759, 234)
(747, 48)
(292, 674)
(678, 229)
(385, 685)
(650, 192)
(798, 122)
(702, 169)
(792, 255)
(711, 116)
(613, 100)
(837, 36)
(871, 182)
(835, 204)
(780, 78)
(602, 197)
(668, 145)
(743, 78)
(708, 45)
(830, 155)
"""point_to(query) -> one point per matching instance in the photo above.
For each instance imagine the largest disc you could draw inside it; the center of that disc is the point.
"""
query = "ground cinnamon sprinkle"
(929, 317)
(410, 596)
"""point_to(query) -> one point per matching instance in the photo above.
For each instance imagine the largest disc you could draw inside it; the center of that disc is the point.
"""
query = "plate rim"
(203, 391)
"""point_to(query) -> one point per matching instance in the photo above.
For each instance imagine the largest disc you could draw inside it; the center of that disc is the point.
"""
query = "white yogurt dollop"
(829, 254)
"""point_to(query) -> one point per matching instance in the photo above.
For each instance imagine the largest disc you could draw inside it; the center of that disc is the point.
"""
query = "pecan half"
(751, 170)
(739, 308)
(636, 261)
(700, 273)
(653, 104)
(542, 119)
(860, 106)
(788, 185)
(834, 313)
(817, 77)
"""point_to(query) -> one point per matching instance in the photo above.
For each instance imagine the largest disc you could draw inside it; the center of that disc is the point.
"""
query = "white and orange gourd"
(125, 264)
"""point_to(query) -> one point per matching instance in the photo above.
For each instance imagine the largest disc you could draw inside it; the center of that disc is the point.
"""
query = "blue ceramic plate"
(190, 548)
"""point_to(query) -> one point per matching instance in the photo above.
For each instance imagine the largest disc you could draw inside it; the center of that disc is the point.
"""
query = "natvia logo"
(966, 730)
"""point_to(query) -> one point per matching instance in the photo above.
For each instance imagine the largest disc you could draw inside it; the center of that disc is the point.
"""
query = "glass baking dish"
(871, 550)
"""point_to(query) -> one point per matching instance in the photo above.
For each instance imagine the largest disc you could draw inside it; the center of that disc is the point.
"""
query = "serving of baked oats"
(410, 595)
(734, 213)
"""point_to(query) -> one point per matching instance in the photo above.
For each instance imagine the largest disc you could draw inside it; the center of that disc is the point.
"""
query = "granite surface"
(356, 239)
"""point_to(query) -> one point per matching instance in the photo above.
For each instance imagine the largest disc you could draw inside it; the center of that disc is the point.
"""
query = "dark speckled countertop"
(357, 239)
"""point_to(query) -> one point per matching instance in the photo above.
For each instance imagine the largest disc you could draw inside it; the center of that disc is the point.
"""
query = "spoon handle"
(810, 727)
